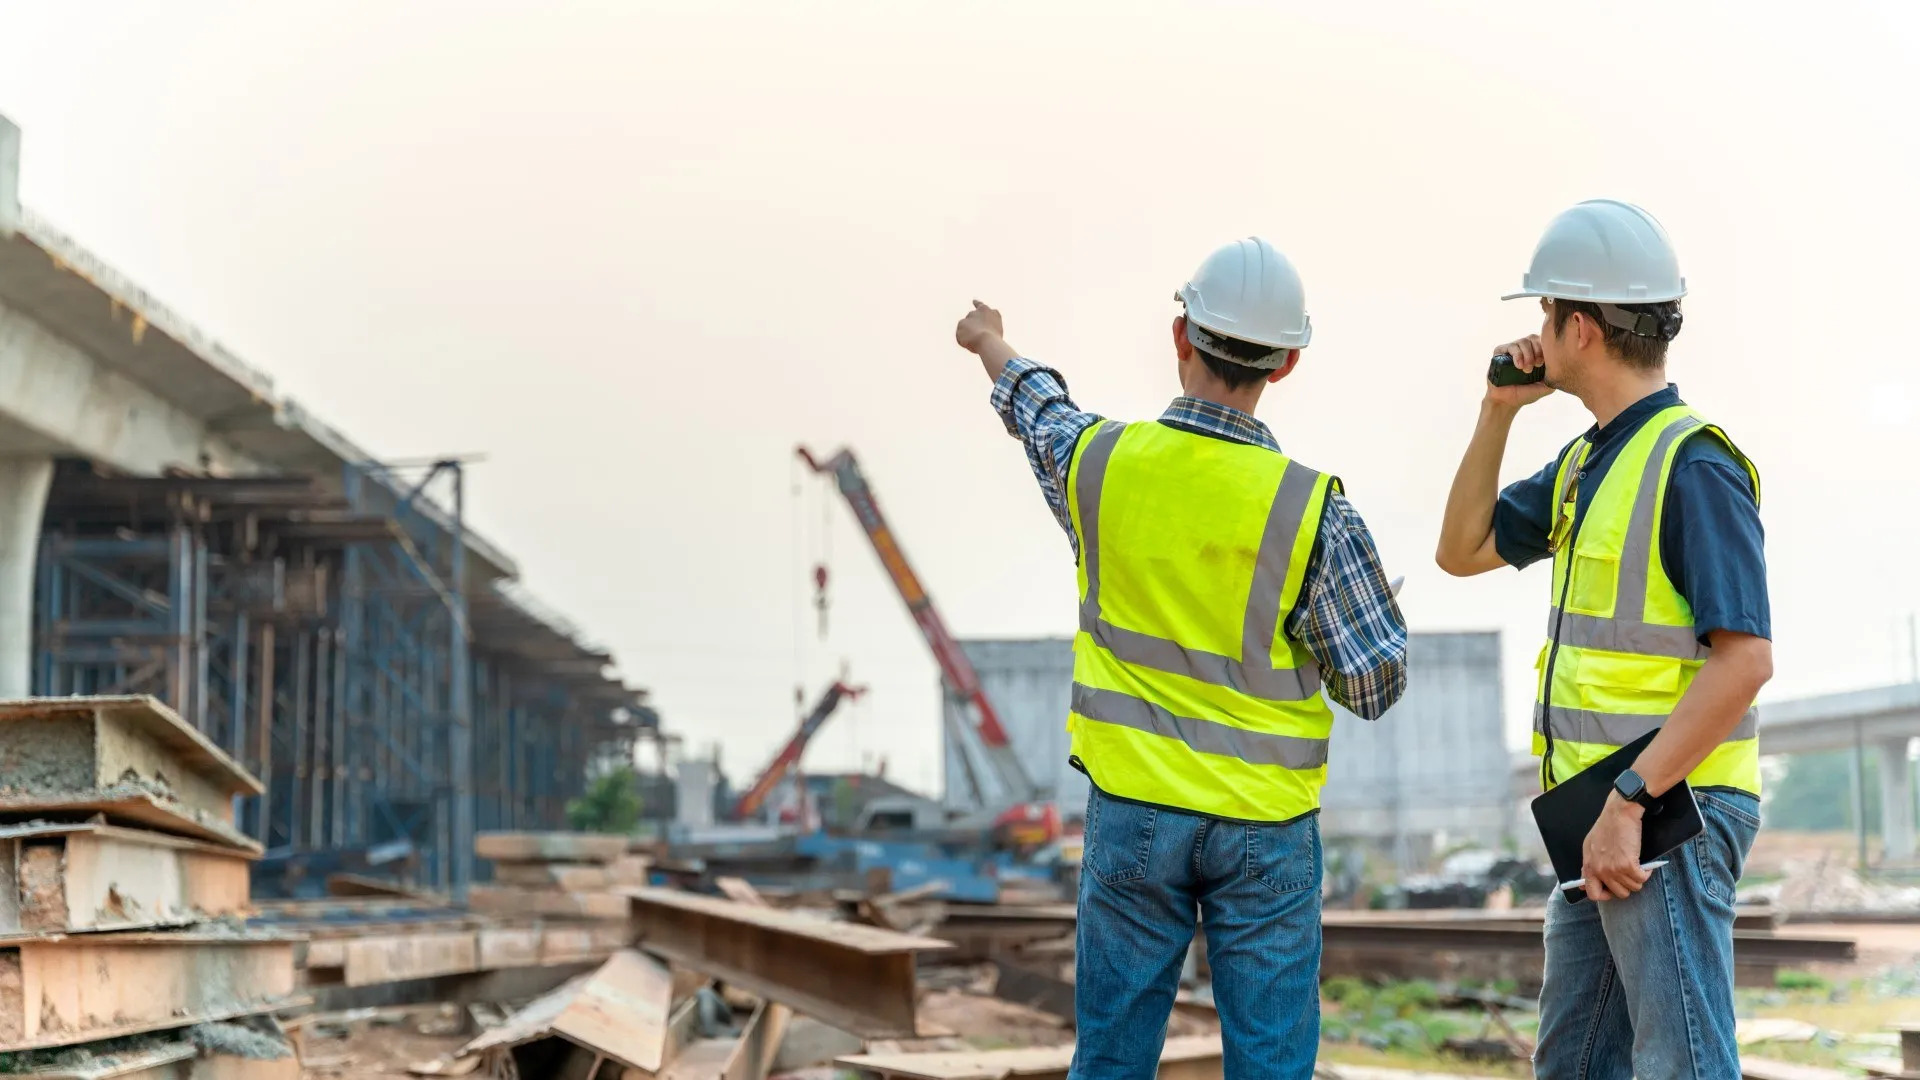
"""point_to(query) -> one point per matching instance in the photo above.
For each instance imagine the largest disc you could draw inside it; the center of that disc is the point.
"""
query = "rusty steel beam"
(857, 978)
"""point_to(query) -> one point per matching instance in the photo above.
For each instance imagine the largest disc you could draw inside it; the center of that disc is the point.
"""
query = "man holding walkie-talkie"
(1658, 622)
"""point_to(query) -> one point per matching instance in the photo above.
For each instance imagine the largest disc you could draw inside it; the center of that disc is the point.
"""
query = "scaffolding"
(336, 639)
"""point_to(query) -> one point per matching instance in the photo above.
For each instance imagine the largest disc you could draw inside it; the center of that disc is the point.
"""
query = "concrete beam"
(620, 1012)
(55, 394)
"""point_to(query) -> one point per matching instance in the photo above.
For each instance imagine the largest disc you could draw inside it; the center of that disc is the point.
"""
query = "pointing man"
(1658, 620)
(1222, 585)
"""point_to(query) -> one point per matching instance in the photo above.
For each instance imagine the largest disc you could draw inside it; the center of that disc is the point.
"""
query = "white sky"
(635, 251)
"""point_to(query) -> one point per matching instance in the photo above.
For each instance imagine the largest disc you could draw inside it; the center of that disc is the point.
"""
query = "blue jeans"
(1144, 872)
(1643, 987)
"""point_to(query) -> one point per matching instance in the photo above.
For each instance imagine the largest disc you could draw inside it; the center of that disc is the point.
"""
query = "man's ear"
(1182, 348)
(1281, 372)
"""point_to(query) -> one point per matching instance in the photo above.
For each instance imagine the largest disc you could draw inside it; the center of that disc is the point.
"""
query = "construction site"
(299, 780)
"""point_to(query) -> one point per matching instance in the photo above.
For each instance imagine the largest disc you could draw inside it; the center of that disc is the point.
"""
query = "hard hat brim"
(1594, 299)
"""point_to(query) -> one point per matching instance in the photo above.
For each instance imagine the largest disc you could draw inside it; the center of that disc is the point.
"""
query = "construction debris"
(61, 878)
(857, 978)
(619, 1013)
(121, 951)
(131, 759)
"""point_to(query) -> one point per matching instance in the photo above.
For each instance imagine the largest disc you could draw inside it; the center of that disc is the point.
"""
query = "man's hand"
(980, 332)
(1527, 355)
(978, 328)
(1610, 859)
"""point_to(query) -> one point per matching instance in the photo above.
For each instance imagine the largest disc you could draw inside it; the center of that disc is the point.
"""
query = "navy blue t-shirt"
(1711, 543)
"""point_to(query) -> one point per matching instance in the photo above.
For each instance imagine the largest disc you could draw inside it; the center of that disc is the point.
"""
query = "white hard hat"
(1607, 252)
(1249, 292)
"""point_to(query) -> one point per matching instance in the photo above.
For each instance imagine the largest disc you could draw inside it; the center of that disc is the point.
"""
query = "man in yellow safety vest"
(1658, 621)
(1226, 591)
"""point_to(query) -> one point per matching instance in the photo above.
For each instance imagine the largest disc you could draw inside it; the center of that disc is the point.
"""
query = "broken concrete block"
(59, 878)
(130, 758)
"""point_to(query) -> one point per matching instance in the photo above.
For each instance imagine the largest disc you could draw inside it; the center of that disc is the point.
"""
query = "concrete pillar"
(1896, 802)
(9, 178)
(23, 501)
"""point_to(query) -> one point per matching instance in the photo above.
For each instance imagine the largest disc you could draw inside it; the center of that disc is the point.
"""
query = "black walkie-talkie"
(1503, 372)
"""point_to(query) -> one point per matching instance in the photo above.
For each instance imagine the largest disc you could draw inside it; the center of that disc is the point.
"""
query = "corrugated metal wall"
(1435, 769)
(1029, 683)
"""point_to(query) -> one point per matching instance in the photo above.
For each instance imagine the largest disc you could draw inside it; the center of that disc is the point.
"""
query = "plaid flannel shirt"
(1347, 617)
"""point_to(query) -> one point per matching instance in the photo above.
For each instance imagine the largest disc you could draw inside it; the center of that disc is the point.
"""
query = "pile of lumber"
(122, 883)
(556, 875)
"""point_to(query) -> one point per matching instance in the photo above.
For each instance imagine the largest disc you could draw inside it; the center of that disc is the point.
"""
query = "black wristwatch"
(1634, 790)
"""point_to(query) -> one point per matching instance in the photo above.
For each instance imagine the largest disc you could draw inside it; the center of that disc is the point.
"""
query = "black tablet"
(1567, 813)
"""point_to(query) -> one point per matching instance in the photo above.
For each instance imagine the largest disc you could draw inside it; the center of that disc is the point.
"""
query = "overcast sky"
(634, 252)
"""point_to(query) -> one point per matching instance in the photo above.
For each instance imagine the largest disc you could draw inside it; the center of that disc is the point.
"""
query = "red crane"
(788, 758)
(1029, 820)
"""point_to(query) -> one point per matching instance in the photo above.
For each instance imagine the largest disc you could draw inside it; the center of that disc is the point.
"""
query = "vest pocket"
(1596, 577)
(1610, 682)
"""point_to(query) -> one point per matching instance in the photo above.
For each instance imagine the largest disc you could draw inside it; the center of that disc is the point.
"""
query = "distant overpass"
(1884, 717)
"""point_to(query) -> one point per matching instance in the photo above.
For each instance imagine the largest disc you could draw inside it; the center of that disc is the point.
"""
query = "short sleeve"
(1523, 518)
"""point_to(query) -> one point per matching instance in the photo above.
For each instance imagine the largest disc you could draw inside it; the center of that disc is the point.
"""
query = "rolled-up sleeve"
(1348, 618)
(1032, 401)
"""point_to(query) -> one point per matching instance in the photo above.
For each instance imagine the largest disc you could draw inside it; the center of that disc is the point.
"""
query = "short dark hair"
(1235, 375)
(1645, 353)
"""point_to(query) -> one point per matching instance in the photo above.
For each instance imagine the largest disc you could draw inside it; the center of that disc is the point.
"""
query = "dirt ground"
(383, 1049)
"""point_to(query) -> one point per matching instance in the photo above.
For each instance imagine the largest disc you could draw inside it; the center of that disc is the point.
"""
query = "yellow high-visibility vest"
(1621, 648)
(1187, 692)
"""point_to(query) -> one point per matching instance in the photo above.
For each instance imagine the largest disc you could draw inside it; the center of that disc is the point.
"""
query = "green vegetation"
(611, 804)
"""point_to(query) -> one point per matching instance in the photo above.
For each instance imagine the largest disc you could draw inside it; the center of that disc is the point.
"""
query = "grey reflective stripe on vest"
(1636, 556)
(1619, 729)
(1618, 635)
(1254, 675)
(1203, 736)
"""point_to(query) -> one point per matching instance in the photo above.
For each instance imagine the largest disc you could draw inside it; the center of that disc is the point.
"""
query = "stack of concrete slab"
(557, 876)
(122, 883)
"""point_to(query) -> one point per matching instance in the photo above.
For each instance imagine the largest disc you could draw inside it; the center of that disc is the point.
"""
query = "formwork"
(331, 635)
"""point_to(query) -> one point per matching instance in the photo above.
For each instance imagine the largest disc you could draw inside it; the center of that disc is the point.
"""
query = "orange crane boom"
(788, 758)
(957, 671)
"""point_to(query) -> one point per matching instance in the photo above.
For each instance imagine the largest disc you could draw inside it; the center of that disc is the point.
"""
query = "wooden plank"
(508, 900)
(620, 1012)
(370, 961)
(140, 808)
(58, 991)
(549, 847)
(350, 885)
(857, 978)
(569, 877)
(631, 869)
(868, 940)
(76, 877)
(510, 946)
(1189, 1057)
